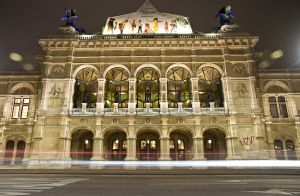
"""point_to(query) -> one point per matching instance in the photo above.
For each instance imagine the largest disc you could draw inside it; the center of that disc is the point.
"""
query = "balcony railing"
(148, 111)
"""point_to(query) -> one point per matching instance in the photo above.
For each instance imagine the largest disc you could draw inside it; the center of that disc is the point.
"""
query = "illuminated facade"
(149, 96)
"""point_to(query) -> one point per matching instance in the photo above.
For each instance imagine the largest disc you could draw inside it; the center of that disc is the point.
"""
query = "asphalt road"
(141, 185)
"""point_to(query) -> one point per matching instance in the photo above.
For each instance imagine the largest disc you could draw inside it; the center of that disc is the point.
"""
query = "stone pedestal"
(212, 106)
(179, 107)
(147, 107)
(164, 107)
(116, 107)
(131, 108)
(83, 107)
(196, 107)
(99, 108)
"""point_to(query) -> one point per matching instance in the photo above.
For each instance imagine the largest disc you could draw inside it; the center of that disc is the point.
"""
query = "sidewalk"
(150, 171)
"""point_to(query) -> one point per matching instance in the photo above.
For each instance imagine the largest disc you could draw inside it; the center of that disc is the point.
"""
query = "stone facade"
(237, 125)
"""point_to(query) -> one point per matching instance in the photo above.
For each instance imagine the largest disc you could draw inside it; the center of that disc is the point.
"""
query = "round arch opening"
(214, 144)
(82, 145)
(115, 144)
(181, 144)
(148, 145)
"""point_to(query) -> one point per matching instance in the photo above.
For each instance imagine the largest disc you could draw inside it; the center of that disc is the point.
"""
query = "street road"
(141, 185)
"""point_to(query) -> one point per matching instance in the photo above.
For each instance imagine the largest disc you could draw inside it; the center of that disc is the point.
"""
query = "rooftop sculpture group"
(226, 20)
(70, 18)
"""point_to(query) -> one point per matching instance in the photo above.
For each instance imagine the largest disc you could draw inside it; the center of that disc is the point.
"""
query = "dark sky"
(23, 22)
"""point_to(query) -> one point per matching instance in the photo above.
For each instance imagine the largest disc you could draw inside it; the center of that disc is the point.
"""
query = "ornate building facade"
(148, 88)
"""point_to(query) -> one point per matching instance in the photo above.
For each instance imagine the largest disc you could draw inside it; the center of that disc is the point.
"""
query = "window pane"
(25, 111)
(283, 110)
(116, 145)
(272, 99)
(16, 111)
(152, 144)
(281, 99)
(180, 145)
(208, 144)
(17, 101)
(26, 101)
(124, 145)
(278, 147)
(274, 111)
(143, 144)
(171, 144)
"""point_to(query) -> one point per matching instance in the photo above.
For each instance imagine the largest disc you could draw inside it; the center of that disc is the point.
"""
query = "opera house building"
(149, 88)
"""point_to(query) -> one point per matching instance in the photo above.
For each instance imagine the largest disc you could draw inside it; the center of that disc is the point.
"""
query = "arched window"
(290, 149)
(116, 88)
(148, 88)
(9, 152)
(86, 88)
(210, 87)
(179, 87)
(278, 147)
(20, 152)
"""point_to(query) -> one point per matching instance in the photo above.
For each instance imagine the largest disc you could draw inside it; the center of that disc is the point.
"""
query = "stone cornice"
(151, 41)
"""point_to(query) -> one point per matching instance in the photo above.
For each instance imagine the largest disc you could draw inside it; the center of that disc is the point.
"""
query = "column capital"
(101, 79)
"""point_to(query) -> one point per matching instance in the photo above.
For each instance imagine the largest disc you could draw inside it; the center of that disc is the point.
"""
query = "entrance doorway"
(116, 145)
(82, 145)
(214, 145)
(180, 145)
(148, 147)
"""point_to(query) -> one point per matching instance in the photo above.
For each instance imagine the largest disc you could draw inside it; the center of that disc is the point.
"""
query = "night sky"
(23, 22)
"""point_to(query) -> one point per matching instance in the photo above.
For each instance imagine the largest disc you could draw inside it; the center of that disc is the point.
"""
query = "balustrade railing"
(146, 111)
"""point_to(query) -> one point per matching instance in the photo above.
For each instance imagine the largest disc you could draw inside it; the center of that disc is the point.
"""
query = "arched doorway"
(20, 152)
(148, 88)
(290, 150)
(210, 87)
(214, 145)
(279, 151)
(116, 145)
(116, 88)
(86, 88)
(179, 87)
(180, 145)
(9, 152)
(82, 145)
(148, 147)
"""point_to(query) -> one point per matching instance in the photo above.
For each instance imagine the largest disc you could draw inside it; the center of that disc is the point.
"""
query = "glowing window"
(115, 145)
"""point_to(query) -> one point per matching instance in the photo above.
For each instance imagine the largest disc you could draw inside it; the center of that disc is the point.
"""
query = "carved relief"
(238, 68)
(242, 90)
(55, 91)
(58, 71)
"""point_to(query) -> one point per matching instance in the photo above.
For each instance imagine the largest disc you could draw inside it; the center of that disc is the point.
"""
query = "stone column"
(163, 95)
(68, 94)
(198, 148)
(131, 149)
(98, 149)
(165, 149)
(227, 92)
(44, 99)
(131, 141)
(253, 95)
(132, 96)
(229, 146)
(195, 92)
(100, 96)
(71, 93)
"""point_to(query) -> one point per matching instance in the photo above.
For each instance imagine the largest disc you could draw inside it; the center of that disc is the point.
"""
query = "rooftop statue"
(70, 18)
(226, 17)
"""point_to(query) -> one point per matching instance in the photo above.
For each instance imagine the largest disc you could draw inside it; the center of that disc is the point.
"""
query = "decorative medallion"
(83, 121)
(115, 121)
(238, 68)
(58, 70)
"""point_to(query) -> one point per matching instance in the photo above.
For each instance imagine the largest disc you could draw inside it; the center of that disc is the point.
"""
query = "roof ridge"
(147, 7)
